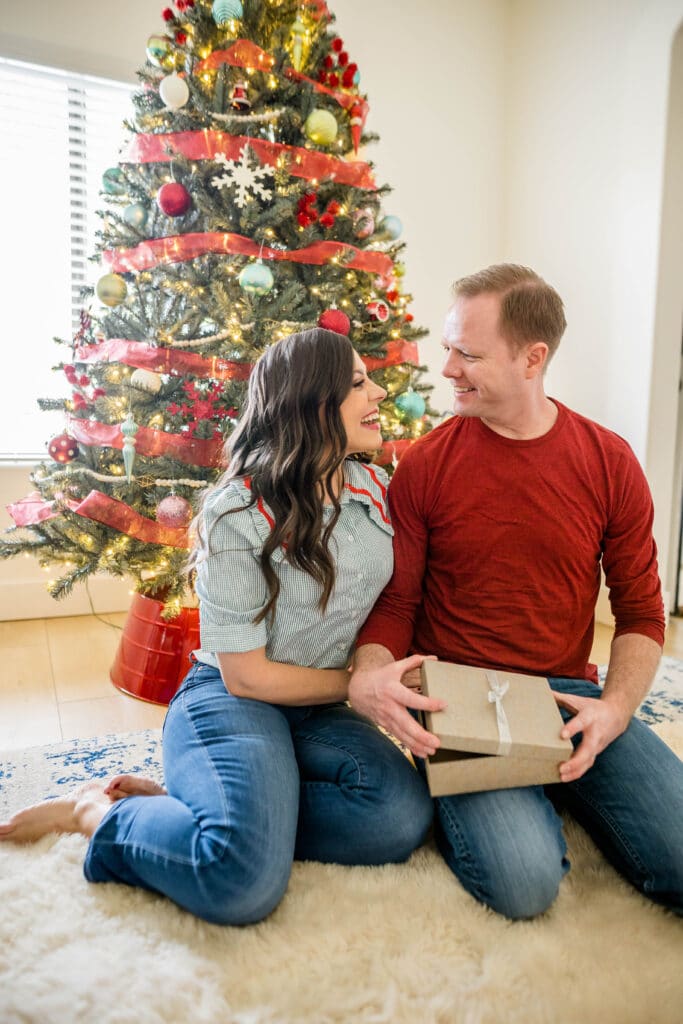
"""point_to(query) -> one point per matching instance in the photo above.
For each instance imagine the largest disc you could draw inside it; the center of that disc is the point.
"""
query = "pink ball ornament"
(363, 222)
(335, 320)
(174, 200)
(174, 511)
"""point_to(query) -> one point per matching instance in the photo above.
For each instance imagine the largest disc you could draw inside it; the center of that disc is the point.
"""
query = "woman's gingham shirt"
(232, 589)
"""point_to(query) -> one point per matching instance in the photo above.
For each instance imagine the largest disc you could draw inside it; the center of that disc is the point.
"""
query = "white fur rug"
(401, 944)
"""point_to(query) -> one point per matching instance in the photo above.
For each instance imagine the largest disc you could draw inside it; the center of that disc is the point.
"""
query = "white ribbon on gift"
(496, 694)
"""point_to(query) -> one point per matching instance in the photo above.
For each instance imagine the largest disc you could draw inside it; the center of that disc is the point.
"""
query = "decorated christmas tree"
(240, 211)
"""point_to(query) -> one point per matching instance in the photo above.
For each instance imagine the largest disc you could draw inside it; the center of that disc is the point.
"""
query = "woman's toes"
(132, 785)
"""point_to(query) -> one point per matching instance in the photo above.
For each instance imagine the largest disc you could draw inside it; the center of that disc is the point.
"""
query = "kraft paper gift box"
(500, 729)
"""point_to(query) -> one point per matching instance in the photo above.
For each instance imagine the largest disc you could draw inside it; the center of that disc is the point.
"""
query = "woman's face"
(360, 411)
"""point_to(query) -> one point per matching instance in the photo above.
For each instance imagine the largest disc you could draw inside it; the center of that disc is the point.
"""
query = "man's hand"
(598, 720)
(380, 694)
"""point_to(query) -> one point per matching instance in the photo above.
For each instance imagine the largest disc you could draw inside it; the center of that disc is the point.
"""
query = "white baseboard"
(29, 599)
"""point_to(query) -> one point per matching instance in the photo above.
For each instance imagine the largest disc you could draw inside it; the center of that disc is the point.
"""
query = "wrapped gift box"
(500, 729)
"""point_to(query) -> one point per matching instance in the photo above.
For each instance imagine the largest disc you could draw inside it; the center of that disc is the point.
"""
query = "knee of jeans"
(531, 892)
(227, 894)
(404, 819)
(665, 884)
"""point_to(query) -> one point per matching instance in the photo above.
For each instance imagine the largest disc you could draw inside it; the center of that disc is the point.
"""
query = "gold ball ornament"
(111, 289)
(321, 127)
(146, 380)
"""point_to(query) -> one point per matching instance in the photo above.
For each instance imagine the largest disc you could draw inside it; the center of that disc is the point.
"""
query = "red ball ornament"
(174, 511)
(337, 45)
(167, 14)
(174, 199)
(181, 38)
(335, 320)
(63, 448)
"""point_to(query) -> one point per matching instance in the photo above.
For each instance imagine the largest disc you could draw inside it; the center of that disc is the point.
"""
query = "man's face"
(487, 374)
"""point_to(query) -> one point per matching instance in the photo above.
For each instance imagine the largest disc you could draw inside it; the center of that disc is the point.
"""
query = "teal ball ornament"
(256, 279)
(157, 50)
(111, 289)
(136, 215)
(321, 127)
(391, 228)
(113, 181)
(224, 11)
(410, 405)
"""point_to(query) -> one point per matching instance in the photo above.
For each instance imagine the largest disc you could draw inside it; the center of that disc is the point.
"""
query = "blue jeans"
(251, 786)
(506, 846)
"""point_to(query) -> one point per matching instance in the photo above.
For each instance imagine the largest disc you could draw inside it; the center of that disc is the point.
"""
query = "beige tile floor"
(54, 682)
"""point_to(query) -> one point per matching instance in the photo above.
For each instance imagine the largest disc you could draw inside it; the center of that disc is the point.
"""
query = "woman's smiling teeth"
(371, 421)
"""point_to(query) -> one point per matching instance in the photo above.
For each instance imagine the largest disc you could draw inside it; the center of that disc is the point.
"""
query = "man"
(503, 515)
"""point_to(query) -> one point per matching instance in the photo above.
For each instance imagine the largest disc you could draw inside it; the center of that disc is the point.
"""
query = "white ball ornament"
(174, 91)
(146, 380)
(321, 127)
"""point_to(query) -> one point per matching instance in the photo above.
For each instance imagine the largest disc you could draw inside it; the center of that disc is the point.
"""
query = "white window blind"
(58, 133)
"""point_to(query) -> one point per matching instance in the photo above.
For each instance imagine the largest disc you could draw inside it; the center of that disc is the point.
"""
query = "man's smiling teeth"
(461, 390)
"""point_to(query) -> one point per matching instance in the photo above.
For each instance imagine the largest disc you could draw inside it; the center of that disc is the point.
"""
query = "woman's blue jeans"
(507, 849)
(252, 786)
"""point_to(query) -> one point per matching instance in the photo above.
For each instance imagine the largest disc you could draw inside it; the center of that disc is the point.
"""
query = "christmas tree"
(240, 211)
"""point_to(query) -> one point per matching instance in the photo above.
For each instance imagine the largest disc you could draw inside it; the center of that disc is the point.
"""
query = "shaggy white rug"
(401, 944)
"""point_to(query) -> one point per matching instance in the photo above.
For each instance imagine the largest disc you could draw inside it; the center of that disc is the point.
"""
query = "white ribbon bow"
(496, 694)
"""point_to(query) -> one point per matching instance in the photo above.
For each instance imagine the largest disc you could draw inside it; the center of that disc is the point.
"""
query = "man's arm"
(390, 623)
(376, 691)
(632, 665)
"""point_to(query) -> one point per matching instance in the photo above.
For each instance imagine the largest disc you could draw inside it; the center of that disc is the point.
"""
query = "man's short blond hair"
(530, 310)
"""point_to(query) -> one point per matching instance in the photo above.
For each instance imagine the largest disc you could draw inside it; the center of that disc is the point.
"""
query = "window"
(59, 132)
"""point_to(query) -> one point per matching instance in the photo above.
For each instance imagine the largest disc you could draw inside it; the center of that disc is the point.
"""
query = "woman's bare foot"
(79, 811)
(132, 785)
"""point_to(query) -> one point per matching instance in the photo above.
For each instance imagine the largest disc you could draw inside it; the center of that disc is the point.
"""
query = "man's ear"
(536, 358)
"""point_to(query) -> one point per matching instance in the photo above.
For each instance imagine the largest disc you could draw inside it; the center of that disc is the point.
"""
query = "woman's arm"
(251, 674)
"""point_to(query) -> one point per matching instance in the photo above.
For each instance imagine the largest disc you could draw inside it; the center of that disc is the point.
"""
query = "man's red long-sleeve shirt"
(499, 543)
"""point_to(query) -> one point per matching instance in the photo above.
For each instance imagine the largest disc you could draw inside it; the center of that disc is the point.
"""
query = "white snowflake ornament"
(245, 179)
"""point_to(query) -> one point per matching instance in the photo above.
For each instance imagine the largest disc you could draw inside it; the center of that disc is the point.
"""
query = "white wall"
(587, 95)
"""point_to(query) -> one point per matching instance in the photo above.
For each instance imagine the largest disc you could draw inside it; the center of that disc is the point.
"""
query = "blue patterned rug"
(39, 772)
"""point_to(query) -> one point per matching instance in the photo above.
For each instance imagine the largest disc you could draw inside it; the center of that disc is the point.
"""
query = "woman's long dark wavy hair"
(290, 441)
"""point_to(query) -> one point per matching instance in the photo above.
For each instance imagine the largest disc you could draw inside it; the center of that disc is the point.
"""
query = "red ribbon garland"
(32, 510)
(190, 450)
(178, 248)
(162, 360)
(122, 517)
(168, 360)
(206, 144)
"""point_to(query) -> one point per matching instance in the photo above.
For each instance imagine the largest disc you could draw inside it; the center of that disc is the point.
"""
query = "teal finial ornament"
(129, 429)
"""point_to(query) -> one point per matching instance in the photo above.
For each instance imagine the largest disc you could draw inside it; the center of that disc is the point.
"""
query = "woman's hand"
(382, 695)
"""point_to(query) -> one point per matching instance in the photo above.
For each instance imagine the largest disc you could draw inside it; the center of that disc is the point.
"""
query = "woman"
(263, 760)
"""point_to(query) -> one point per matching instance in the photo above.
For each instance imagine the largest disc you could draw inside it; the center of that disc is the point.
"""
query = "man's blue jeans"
(507, 849)
(251, 786)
